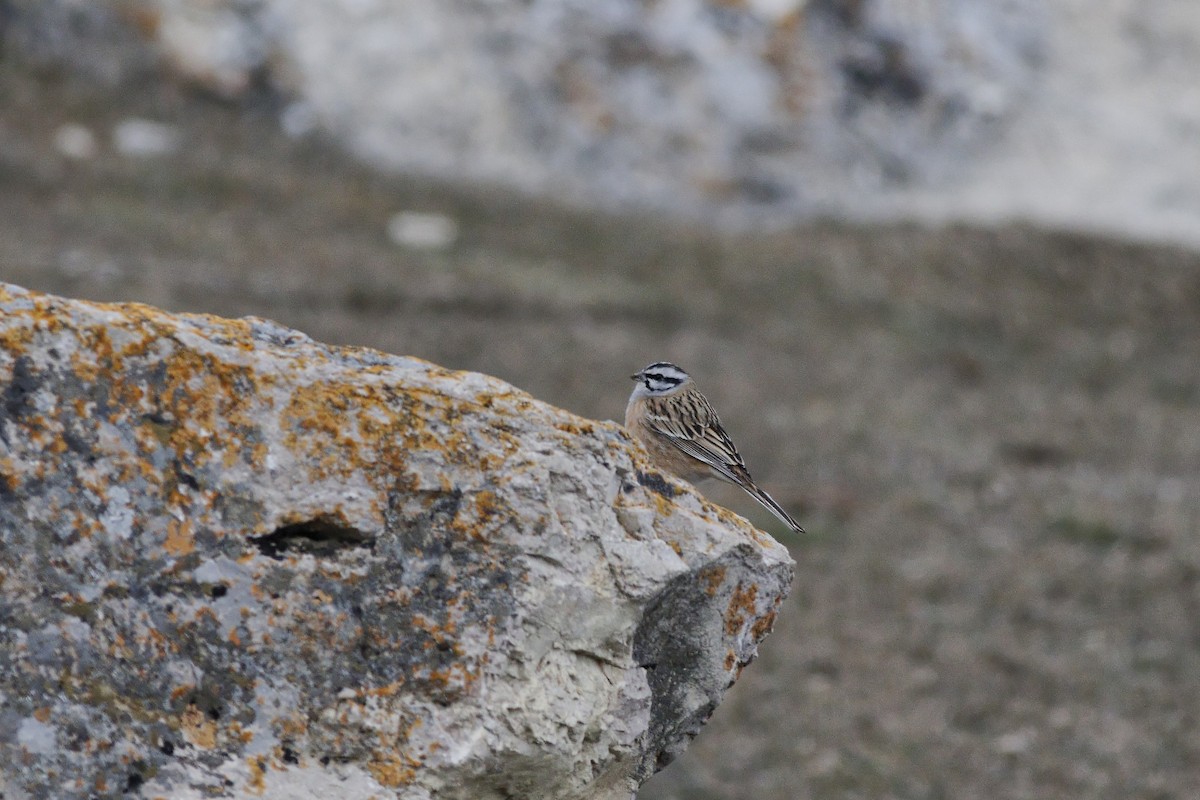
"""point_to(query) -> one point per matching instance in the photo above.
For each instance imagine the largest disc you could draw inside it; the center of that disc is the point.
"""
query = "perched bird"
(680, 429)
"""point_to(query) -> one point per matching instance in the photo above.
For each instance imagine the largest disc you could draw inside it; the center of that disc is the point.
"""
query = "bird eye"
(654, 376)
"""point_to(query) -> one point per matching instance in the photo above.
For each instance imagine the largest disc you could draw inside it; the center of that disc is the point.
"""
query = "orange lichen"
(576, 427)
(292, 726)
(198, 728)
(713, 576)
(393, 769)
(119, 649)
(8, 474)
(387, 690)
(204, 611)
(456, 676)
(762, 626)
(439, 633)
(243, 735)
(257, 783)
(741, 607)
(179, 540)
(153, 639)
(319, 415)
(488, 505)
(180, 691)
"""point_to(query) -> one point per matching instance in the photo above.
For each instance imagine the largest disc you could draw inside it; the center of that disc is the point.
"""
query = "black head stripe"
(662, 376)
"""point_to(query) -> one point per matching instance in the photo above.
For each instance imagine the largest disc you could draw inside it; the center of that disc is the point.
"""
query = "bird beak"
(635, 377)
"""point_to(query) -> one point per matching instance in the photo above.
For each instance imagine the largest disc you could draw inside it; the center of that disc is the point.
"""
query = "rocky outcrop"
(236, 562)
(1070, 113)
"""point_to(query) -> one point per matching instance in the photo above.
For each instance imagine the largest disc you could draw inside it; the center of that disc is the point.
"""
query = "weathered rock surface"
(236, 562)
(1070, 113)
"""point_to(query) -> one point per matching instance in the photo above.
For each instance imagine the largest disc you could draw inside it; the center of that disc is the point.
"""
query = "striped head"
(659, 380)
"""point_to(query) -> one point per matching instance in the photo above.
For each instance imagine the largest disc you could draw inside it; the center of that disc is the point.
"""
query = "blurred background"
(935, 261)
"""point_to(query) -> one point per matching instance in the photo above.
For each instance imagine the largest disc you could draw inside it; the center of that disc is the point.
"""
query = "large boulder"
(237, 562)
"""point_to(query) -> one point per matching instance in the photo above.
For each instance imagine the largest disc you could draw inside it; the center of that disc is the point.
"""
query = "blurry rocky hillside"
(1070, 113)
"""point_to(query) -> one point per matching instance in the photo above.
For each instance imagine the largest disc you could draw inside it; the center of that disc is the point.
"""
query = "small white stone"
(1015, 743)
(143, 138)
(297, 120)
(75, 141)
(422, 230)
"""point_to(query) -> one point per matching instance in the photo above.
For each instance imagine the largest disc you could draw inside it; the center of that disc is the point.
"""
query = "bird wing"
(696, 430)
(691, 424)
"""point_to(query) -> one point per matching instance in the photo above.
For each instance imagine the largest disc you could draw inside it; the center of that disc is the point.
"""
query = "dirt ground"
(993, 436)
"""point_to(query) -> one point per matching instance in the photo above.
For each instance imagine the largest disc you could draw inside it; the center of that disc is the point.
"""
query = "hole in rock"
(321, 536)
(134, 782)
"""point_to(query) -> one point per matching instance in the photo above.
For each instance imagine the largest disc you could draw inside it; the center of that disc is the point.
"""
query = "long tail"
(770, 504)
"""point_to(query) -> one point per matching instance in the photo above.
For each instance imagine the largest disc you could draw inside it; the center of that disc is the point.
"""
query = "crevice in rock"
(134, 783)
(321, 536)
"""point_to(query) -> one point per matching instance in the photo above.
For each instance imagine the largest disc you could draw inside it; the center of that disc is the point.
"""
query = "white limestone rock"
(235, 562)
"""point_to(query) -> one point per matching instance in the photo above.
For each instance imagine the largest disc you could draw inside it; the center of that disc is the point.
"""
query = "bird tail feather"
(769, 503)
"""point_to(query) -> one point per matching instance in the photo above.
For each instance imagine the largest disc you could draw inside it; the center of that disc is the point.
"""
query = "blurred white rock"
(1069, 114)
(422, 230)
(142, 138)
(298, 120)
(75, 141)
(1015, 743)
(218, 44)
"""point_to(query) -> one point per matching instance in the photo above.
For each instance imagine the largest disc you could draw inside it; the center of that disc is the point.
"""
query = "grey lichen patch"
(230, 556)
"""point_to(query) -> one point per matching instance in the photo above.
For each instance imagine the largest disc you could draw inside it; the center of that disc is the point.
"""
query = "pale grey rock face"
(235, 562)
(741, 111)
(1073, 113)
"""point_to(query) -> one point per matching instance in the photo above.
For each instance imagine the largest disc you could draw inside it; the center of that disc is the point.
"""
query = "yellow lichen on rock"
(266, 552)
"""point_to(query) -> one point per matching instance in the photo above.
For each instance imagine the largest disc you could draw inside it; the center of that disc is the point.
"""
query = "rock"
(422, 230)
(144, 138)
(75, 141)
(236, 562)
(220, 44)
(1069, 114)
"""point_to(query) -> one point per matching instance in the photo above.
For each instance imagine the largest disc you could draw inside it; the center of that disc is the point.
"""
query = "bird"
(681, 431)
